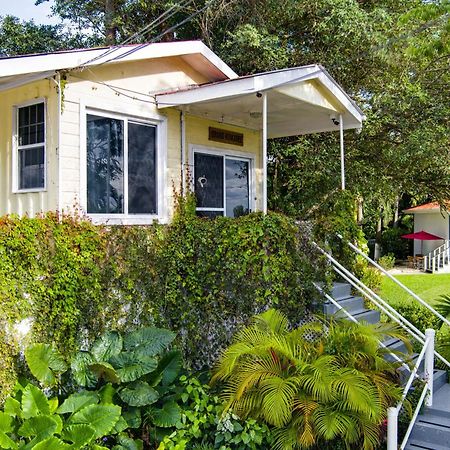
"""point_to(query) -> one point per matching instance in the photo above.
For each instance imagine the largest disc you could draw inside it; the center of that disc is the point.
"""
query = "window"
(121, 166)
(31, 146)
(222, 185)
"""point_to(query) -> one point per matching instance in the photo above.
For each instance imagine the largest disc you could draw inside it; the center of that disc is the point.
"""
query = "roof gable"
(19, 70)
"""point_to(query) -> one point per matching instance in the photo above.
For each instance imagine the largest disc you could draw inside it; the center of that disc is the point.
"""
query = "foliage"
(24, 37)
(221, 272)
(316, 383)
(387, 261)
(203, 423)
(392, 243)
(418, 315)
(31, 420)
(71, 280)
(370, 276)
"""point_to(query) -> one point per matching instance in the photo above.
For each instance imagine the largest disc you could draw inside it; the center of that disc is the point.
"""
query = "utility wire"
(141, 33)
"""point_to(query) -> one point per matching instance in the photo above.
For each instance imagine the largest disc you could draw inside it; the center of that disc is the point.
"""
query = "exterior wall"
(434, 223)
(30, 203)
(197, 137)
(87, 91)
(123, 90)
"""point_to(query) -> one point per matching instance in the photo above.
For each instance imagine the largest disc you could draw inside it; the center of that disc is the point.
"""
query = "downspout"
(58, 147)
(264, 149)
(341, 138)
(183, 151)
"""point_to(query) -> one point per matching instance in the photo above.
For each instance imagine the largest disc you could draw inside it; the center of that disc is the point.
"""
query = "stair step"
(441, 399)
(341, 290)
(396, 345)
(367, 315)
(350, 304)
(432, 429)
(440, 380)
(420, 445)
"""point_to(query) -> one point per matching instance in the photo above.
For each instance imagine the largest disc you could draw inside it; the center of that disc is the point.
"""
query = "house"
(113, 131)
(432, 218)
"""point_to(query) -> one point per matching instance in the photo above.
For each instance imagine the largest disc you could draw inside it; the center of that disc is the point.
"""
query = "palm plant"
(321, 381)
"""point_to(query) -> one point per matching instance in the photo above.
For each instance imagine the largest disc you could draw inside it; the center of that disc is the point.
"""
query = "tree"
(25, 37)
(316, 383)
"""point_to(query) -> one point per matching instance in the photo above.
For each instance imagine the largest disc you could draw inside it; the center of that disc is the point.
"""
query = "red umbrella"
(422, 236)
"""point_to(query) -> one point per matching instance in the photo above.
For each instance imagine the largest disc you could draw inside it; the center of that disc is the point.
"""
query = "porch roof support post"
(264, 151)
(341, 139)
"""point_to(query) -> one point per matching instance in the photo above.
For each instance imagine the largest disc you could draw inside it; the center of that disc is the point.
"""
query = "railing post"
(425, 263)
(392, 429)
(429, 365)
(433, 265)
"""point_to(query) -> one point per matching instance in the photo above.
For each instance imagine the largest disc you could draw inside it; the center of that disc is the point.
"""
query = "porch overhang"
(301, 100)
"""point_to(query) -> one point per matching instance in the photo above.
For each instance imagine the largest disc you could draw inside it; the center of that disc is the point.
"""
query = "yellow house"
(113, 131)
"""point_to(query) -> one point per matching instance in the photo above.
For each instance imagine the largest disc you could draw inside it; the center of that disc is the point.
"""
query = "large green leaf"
(127, 443)
(139, 393)
(34, 402)
(168, 368)
(5, 422)
(77, 401)
(167, 416)
(106, 371)
(80, 369)
(148, 341)
(79, 435)
(130, 366)
(6, 442)
(45, 362)
(133, 417)
(108, 345)
(52, 443)
(120, 426)
(40, 427)
(12, 407)
(107, 393)
(101, 418)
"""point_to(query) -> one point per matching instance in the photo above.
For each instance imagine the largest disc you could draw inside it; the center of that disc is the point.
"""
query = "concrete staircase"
(432, 428)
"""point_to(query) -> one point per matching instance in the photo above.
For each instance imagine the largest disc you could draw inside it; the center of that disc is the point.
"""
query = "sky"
(27, 10)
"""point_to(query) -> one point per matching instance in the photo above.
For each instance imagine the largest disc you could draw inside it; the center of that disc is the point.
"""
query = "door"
(221, 185)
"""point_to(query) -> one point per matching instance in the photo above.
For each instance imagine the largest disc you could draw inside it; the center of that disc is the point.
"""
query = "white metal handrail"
(435, 258)
(392, 423)
(352, 318)
(378, 301)
(395, 280)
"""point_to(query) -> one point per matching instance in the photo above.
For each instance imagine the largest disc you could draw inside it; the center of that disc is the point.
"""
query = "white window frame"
(16, 147)
(125, 115)
(226, 153)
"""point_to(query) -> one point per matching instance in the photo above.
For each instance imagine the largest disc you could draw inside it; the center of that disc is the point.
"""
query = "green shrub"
(392, 243)
(201, 278)
(204, 425)
(370, 276)
(418, 315)
(387, 261)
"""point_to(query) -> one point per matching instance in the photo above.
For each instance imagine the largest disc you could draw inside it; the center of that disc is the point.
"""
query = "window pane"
(31, 168)
(31, 124)
(104, 165)
(237, 187)
(209, 214)
(141, 169)
(208, 179)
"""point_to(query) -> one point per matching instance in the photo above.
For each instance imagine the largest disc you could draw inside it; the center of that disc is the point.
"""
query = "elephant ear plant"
(123, 391)
(137, 372)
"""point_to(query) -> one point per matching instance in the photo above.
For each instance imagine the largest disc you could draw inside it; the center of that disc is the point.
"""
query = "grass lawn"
(427, 286)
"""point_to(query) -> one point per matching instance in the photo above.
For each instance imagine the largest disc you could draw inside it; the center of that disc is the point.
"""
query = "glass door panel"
(237, 187)
(208, 183)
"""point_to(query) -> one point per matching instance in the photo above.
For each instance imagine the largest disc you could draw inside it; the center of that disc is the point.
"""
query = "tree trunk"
(110, 28)
(396, 221)
(377, 252)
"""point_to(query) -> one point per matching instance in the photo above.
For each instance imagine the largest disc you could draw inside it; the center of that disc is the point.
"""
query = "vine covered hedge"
(202, 278)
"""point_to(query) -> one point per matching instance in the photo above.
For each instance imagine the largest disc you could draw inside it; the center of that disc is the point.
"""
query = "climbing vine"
(70, 280)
